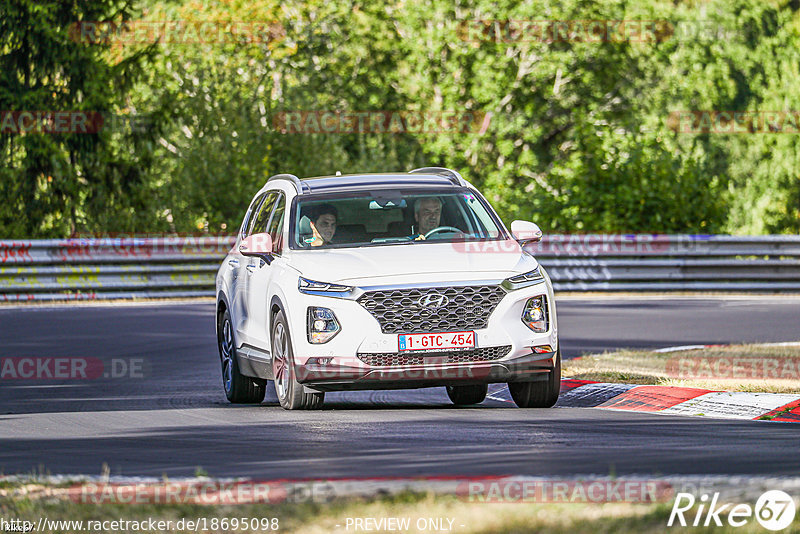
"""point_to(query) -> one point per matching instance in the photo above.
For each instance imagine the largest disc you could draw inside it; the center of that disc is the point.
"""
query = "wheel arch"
(222, 305)
(276, 305)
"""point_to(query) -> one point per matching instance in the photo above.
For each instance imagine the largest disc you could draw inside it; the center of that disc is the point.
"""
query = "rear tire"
(542, 394)
(466, 395)
(290, 392)
(239, 389)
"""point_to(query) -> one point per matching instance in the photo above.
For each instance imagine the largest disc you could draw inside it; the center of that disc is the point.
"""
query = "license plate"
(441, 341)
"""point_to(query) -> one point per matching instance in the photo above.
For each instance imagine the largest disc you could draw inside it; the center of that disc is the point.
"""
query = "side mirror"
(526, 232)
(258, 245)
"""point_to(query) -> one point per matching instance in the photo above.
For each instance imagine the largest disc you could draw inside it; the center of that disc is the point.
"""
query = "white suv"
(383, 281)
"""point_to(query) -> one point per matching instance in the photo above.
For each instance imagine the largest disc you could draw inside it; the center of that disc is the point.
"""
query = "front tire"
(466, 395)
(289, 391)
(239, 389)
(542, 394)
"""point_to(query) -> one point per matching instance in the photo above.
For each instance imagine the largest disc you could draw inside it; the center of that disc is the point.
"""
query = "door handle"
(250, 269)
(233, 263)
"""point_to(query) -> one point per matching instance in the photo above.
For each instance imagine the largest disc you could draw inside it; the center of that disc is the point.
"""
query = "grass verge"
(760, 368)
(457, 515)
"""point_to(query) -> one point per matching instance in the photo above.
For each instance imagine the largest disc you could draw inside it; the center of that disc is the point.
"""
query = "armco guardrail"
(643, 262)
(127, 268)
(115, 268)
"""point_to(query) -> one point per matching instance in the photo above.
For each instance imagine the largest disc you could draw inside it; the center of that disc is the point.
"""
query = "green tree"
(221, 142)
(62, 183)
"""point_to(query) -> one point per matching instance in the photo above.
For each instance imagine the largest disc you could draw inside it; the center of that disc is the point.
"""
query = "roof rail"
(454, 176)
(292, 178)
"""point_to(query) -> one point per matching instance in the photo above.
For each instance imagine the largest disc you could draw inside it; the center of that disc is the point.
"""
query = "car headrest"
(304, 227)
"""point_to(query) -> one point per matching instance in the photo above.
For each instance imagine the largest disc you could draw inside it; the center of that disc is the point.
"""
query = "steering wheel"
(443, 229)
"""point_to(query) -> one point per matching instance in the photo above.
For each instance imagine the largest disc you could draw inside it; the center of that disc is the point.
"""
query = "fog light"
(542, 349)
(534, 315)
(319, 361)
(322, 325)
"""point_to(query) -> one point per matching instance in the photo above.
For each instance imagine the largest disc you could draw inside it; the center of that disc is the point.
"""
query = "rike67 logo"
(774, 510)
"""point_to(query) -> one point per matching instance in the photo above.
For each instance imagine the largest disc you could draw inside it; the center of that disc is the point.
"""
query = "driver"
(323, 224)
(427, 213)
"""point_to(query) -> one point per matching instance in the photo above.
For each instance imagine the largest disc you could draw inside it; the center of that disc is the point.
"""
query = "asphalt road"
(169, 415)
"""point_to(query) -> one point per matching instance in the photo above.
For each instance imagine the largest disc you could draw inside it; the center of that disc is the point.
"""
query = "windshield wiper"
(391, 240)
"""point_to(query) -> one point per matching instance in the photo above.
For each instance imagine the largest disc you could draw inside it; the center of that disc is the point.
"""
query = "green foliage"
(580, 136)
(59, 184)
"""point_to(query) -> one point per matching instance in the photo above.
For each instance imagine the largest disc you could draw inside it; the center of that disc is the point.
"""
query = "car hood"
(412, 263)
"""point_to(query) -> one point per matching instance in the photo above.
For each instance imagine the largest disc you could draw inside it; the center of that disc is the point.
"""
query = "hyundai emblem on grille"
(433, 300)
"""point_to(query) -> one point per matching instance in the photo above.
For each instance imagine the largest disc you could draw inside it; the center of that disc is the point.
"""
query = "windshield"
(387, 217)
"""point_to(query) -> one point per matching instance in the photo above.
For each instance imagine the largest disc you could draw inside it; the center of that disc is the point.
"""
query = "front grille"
(406, 310)
(387, 359)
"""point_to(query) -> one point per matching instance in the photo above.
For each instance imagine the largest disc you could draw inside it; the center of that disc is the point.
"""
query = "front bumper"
(361, 331)
(525, 368)
(337, 365)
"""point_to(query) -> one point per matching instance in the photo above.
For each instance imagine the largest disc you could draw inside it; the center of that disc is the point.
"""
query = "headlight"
(524, 280)
(322, 325)
(534, 315)
(304, 285)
